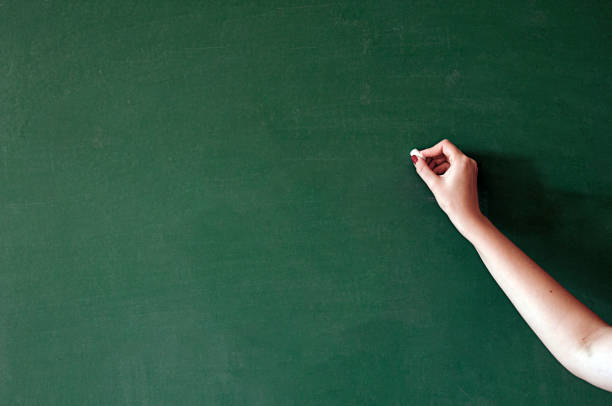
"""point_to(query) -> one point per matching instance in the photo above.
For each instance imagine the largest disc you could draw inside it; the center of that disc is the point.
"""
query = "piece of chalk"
(417, 153)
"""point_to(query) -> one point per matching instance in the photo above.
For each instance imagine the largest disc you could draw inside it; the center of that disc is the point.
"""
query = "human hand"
(452, 178)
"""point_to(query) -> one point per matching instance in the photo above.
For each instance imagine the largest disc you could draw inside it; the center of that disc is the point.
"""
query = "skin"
(576, 337)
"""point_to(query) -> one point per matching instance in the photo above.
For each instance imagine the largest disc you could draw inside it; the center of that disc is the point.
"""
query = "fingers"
(444, 147)
(441, 169)
(438, 159)
(435, 161)
(425, 172)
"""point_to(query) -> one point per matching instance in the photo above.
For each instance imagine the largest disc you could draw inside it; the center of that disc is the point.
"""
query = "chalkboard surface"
(213, 203)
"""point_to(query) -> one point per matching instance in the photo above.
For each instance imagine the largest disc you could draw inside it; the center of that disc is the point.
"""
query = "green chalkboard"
(212, 202)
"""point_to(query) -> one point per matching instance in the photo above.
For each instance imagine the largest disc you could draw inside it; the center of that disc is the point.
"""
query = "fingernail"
(414, 159)
(417, 153)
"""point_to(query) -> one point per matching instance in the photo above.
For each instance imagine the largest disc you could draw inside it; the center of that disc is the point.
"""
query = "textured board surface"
(213, 202)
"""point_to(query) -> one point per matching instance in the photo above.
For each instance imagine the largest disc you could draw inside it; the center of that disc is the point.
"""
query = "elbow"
(591, 359)
(598, 378)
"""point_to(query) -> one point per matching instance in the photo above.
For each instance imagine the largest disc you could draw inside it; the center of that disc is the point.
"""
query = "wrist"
(469, 225)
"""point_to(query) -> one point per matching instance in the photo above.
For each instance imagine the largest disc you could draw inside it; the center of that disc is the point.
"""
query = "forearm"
(562, 322)
(580, 340)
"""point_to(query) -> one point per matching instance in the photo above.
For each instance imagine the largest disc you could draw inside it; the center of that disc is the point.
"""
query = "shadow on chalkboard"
(567, 224)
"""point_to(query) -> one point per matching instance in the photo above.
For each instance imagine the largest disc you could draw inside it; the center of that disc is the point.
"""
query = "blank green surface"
(213, 203)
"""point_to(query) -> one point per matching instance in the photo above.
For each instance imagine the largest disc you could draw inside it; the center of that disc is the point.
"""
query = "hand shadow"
(567, 231)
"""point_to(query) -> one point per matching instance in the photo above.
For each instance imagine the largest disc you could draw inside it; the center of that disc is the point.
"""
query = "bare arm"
(576, 336)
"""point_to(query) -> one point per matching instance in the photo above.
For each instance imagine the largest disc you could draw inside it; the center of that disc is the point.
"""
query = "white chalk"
(417, 153)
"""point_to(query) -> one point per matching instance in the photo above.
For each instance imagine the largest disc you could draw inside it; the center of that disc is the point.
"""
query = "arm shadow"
(572, 231)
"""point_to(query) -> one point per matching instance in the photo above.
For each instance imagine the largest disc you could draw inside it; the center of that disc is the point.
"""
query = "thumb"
(425, 172)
